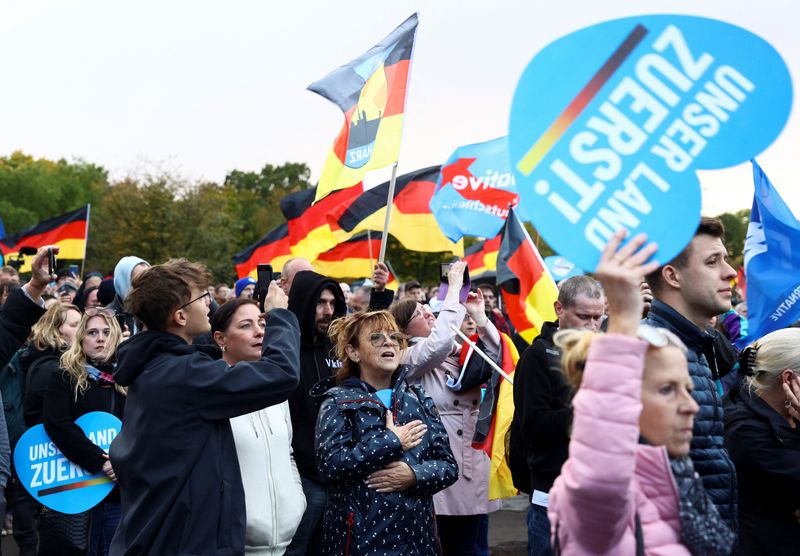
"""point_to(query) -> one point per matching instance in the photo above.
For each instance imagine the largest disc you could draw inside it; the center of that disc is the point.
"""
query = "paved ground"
(507, 532)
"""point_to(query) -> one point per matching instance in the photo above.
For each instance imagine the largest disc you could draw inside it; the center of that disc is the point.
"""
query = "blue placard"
(474, 190)
(561, 268)
(609, 125)
(55, 481)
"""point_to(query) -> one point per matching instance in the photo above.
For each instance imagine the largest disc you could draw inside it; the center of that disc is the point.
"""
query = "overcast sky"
(200, 88)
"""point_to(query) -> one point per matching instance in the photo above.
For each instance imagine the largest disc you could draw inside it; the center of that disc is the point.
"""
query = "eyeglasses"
(203, 296)
(103, 311)
(377, 339)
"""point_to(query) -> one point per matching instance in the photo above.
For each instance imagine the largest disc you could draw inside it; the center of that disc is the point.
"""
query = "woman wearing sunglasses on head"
(273, 492)
(83, 385)
(381, 447)
(628, 486)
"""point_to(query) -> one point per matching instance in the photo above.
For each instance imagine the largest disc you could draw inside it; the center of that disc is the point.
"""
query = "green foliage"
(32, 190)
(735, 232)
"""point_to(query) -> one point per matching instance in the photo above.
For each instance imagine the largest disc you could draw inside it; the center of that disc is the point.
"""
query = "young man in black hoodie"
(316, 301)
(175, 459)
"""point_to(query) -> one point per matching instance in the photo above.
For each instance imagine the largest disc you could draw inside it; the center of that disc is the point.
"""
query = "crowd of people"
(335, 418)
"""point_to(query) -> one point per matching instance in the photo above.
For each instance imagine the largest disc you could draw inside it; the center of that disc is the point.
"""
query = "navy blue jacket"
(351, 442)
(175, 459)
(766, 451)
(710, 458)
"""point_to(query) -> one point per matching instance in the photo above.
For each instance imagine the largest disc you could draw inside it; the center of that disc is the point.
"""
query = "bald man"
(290, 268)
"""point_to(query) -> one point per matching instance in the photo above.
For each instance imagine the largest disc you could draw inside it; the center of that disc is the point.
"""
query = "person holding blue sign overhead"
(175, 459)
(85, 385)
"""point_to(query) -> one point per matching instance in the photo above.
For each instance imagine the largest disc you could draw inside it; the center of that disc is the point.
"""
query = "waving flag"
(494, 422)
(272, 249)
(68, 231)
(527, 287)
(474, 191)
(371, 91)
(412, 222)
(481, 257)
(313, 228)
(771, 261)
(353, 258)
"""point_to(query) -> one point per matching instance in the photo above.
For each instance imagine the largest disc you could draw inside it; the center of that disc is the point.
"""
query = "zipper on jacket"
(349, 531)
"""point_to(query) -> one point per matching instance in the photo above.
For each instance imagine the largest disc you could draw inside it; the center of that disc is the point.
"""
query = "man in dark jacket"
(541, 400)
(175, 459)
(23, 308)
(689, 291)
(316, 300)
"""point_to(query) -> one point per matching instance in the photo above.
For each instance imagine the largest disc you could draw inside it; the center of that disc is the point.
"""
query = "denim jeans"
(538, 531)
(308, 538)
(104, 521)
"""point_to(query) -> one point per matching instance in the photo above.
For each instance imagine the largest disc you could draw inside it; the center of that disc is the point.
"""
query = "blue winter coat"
(351, 442)
(710, 458)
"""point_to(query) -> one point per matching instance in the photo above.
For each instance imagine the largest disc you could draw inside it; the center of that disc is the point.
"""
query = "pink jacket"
(609, 476)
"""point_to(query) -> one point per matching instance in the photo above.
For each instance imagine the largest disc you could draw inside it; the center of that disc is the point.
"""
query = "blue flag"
(475, 190)
(771, 261)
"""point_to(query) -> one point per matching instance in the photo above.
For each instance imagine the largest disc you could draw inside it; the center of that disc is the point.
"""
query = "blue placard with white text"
(610, 124)
(52, 479)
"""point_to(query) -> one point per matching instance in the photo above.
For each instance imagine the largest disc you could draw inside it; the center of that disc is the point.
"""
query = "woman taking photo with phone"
(85, 384)
(273, 493)
(381, 447)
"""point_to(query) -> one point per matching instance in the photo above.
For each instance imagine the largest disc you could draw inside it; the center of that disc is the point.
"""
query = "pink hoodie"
(609, 476)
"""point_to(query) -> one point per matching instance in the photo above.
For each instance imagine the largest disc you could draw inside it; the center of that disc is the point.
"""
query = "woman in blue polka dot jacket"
(381, 447)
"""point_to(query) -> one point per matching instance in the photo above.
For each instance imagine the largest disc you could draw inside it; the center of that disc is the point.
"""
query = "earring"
(224, 349)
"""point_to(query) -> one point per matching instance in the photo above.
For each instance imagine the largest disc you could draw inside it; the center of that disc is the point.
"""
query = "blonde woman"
(628, 486)
(49, 338)
(85, 384)
(763, 439)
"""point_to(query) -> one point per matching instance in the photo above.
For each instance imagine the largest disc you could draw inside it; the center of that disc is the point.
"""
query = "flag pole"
(369, 246)
(389, 202)
(86, 241)
(480, 352)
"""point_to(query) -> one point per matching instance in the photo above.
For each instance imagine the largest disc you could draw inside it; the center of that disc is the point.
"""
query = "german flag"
(272, 249)
(412, 222)
(527, 287)
(68, 231)
(497, 418)
(481, 257)
(313, 228)
(353, 258)
(371, 91)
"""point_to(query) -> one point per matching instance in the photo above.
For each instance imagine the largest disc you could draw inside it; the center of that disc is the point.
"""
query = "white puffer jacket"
(273, 491)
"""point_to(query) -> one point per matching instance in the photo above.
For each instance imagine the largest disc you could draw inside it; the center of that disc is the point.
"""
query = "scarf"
(703, 531)
(100, 377)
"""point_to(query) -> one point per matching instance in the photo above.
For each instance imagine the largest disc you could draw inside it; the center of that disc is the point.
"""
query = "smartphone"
(51, 262)
(264, 272)
(444, 269)
(73, 268)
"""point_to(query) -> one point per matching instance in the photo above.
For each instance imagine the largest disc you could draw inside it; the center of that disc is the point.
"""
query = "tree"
(736, 224)
(32, 190)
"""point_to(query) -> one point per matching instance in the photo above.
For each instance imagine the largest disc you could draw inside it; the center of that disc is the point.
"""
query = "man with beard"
(316, 300)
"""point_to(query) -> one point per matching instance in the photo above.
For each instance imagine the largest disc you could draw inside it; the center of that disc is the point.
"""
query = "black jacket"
(352, 442)
(17, 316)
(710, 458)
(766, 452)
(62, 407)
(542, 408)
(37, 367)
(175, 459)
(317, 362)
